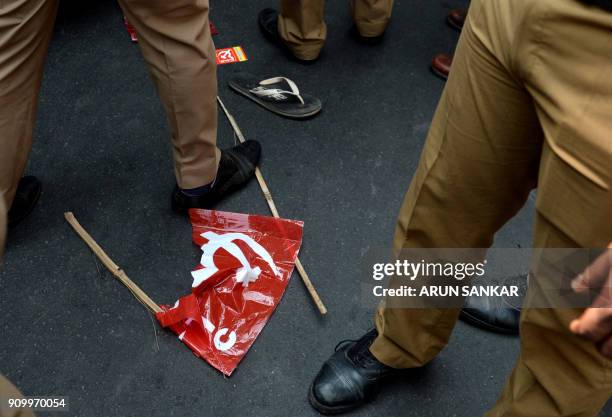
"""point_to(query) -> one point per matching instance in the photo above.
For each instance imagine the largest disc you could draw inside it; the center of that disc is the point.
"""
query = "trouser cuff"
(371, 29)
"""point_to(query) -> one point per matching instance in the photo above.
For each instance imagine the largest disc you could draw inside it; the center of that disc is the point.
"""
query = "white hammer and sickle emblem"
(246, 273)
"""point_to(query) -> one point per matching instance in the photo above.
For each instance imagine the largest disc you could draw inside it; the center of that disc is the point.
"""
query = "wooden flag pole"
(266, 192)
(112, 266)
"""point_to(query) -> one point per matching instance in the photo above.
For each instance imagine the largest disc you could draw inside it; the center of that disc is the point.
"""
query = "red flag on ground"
(230, 55)
(246, 264)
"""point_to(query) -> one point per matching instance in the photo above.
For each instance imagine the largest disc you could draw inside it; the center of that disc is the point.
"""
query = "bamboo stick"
(110, 265)
(268, 196)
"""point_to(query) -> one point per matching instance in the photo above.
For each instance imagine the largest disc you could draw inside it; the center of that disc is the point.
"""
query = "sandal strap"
(261, 91)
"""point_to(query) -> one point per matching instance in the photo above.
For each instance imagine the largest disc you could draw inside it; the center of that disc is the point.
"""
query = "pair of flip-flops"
(279, 95)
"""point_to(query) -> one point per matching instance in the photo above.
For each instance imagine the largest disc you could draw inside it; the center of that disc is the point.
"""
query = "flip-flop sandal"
(272, 94)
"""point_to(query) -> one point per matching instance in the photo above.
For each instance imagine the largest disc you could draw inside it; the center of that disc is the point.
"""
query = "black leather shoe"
(236, 167)
(268, 23)
(26, 197)
(349, 378)
(495, 314)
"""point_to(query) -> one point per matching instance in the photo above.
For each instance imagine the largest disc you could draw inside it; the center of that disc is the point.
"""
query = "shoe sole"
(439, 74)
(476, 322)
(326, 410)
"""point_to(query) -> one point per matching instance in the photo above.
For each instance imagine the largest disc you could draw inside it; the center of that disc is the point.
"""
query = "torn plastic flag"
(245, 266)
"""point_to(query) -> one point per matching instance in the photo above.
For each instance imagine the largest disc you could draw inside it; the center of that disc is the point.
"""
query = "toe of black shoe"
(236, 169)
(329, 396)
(249, 150)
(268, 23)
(337, 387)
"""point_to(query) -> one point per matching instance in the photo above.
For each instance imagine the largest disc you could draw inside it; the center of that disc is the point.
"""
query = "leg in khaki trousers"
(176, 43)
(528, 102)
(8, 390)
(301, 23)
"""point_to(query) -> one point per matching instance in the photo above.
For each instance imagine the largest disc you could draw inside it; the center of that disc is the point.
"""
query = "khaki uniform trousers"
(8, 390)
(528, 103)
(302, 26)
(176, 43)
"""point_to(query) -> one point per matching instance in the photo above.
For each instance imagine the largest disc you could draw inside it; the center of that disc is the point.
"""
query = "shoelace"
(363, 357)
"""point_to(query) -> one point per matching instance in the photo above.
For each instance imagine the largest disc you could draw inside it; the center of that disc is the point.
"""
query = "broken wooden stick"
(266, 192)
(112, 266)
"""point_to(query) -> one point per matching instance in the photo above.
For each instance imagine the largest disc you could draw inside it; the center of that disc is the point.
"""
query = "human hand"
(595, 323)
